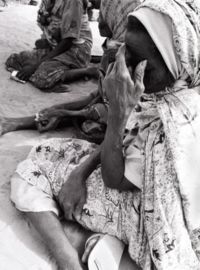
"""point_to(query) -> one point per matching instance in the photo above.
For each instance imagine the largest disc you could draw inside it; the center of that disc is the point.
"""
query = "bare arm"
(77, 104)
(112, 159)
(63, 46)
(71, 198)
(123, 94)
(87, 167)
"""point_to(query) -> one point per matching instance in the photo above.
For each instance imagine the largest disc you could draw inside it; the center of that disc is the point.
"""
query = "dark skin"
(27, 71)
(63, 46)
(139, 46)
(95, 3)
(124, 86)
(124, 89)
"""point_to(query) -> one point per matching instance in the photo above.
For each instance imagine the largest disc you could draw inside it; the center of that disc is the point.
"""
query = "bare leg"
(78, 104)
(67, 244)
(12, 124)
(60, 242)
(76, 74)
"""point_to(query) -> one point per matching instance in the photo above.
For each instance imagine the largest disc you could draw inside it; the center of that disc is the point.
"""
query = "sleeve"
(71, 19)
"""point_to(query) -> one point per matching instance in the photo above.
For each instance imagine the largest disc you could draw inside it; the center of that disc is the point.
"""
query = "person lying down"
(89, 114)
(142, 184)
(63, 53)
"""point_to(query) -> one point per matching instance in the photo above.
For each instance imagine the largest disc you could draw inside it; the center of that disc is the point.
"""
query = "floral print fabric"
(160, 223)
(151, 221)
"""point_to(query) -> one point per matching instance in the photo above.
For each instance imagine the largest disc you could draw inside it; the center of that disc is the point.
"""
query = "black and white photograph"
(100, 135)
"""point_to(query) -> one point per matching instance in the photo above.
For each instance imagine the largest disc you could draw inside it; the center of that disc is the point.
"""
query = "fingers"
(138, 79)
(120, 63)
(21, 75)
(119, 67)
(139, 72)
(47, 124)
(120, 56)
(66, 206)
(110, 68)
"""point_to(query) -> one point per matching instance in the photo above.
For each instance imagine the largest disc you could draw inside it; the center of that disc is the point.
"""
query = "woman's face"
(140, 46)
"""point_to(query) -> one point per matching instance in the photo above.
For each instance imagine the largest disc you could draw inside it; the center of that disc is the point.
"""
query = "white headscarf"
(176, 32)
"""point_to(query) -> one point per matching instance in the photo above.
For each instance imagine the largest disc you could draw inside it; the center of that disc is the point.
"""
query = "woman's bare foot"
(8, 125)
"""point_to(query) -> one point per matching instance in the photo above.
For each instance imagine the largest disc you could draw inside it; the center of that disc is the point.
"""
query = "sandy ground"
(21, 248)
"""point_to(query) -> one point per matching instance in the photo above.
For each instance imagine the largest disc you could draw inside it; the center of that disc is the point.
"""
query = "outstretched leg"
(12, 124)
(42, 175)
(8, 124)
(66, 246)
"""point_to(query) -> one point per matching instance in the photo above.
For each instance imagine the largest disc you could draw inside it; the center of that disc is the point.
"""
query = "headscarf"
(114, 13)
(185, 31)
(176, 33)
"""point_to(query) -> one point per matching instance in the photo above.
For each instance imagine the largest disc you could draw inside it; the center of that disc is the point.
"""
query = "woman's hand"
(72, 196)
(26, 72)
(48, 119)
(122, 92)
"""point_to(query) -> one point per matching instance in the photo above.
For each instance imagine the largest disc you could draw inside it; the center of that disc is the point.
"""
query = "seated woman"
(92, 110)
(142, 184)
(63, 53)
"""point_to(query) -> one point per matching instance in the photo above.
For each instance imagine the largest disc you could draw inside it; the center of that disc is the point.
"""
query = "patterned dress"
(65, 19)
(150, 221)
(160, 223)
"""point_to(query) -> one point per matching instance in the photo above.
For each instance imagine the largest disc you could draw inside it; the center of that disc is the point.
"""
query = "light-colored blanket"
(21, 247)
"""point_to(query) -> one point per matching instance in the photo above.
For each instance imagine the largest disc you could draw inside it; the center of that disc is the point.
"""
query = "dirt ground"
(21, 248)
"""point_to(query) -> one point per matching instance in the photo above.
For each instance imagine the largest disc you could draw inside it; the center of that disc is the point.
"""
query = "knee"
(40, 80)
(30, 198)
(45, 79)
(41, 83)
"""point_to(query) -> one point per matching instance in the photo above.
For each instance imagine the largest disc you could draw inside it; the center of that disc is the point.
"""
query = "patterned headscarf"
(185, 17)
(115, 12)
(179, 106)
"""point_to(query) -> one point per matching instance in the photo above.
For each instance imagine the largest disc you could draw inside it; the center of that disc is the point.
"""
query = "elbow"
(111, 181)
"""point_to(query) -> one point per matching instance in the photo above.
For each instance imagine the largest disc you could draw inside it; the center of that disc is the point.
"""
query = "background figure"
(64, 50)
(94, 116)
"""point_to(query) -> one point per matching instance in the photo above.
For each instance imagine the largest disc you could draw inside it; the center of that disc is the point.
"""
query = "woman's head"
(173, 27)
(114, 15)
(140, 46)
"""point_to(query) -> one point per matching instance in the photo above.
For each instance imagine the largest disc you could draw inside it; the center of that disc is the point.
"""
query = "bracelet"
(37, 117)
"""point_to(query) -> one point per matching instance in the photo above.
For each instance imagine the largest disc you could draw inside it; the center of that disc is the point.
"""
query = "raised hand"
(26, 72)
(122, 91)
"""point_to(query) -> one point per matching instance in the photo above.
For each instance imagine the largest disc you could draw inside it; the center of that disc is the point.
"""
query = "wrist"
(117, 121)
